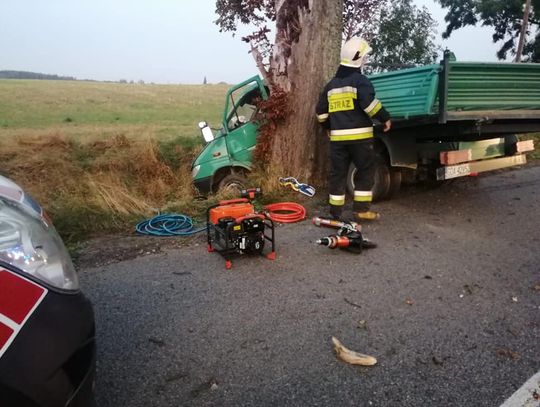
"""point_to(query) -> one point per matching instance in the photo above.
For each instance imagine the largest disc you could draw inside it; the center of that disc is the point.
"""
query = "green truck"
(450, 120)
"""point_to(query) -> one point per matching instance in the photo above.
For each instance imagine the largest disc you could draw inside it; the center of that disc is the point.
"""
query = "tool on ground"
(251, 193)
(337, 224)
(305, 189)
(350, 356)
(168, 225)
(348, 237)
(352, 242)
(285, 212)
(235, 228)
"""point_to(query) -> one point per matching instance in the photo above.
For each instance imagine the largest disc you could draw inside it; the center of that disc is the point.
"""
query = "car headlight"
(29, 243)
(195, 171)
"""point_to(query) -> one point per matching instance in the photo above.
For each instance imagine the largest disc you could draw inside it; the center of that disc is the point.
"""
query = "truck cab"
(227, 156)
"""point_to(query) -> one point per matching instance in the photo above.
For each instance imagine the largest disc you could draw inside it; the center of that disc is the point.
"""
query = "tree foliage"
(400, 33)
(360, 17)
(406, 35)
(33, 75)
(504, 16)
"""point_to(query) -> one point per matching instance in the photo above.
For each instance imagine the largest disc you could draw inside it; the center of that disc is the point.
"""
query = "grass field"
(100, 156)
(89, 109)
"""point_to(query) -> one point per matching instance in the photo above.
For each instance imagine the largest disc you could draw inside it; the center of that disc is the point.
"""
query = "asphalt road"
(449, 304)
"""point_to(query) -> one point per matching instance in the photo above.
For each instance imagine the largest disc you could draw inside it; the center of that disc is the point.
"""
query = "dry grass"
(96, 186)
(535, 155)
(101, 156)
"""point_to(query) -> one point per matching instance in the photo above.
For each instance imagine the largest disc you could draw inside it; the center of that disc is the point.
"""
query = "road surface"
(449, 304)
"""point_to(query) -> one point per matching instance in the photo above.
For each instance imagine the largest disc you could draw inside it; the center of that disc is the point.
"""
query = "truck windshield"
(243, 107)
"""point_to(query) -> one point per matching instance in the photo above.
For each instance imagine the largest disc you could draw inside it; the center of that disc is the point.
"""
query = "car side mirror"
(206, 131)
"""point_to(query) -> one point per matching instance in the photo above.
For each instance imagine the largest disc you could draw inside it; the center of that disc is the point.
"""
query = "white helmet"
(354, 52)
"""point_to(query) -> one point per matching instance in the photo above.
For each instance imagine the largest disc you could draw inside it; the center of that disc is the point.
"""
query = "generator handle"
(250, 216)
(233, 201)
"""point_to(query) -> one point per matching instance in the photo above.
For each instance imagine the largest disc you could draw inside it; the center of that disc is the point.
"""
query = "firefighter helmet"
(354, 52)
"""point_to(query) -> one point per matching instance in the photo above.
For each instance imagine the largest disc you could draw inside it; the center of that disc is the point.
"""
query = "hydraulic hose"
(286, 212)
(168, 225)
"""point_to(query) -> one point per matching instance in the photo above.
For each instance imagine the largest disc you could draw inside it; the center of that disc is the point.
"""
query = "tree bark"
(523, 30)
(302, 67)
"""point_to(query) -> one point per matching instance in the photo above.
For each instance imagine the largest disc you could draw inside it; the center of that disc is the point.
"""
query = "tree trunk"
(302, 67)
(523, 33)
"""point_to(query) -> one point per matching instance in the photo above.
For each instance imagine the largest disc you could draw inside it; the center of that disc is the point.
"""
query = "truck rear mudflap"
(461, 163)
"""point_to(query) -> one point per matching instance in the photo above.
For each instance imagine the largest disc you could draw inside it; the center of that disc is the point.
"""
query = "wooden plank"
(524, 146)
(473, 150)
(455, 157)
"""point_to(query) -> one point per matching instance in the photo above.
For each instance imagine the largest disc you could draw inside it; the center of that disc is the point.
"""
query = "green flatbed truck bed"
(461, 91)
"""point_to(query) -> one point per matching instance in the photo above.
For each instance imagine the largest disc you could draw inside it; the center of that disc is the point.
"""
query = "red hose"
(286, 212)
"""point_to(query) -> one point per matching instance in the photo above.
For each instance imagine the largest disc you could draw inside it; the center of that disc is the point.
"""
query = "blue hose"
(168, 225)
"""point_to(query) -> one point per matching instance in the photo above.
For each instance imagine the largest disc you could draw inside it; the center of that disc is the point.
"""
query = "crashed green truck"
(450, 120)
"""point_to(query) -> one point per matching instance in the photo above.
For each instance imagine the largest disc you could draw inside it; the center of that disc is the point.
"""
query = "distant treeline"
(44, 76)
(33, 75)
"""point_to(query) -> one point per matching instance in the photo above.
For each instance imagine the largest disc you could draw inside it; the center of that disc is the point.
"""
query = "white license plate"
(453, 171)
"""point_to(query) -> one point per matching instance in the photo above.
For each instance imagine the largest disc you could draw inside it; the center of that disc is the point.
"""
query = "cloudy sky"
(161, 41)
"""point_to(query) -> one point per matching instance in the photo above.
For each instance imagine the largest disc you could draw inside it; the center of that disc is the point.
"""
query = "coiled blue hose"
(168, 225)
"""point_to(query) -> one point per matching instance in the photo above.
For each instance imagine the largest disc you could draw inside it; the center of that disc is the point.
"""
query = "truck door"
(241, 119)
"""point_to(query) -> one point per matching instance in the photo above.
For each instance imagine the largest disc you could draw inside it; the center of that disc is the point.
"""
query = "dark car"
(47, 335)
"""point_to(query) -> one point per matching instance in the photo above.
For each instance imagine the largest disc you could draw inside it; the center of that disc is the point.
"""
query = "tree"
(506, 18)
(406, 35)
(305, 54)
(296, 66)
(400, 33)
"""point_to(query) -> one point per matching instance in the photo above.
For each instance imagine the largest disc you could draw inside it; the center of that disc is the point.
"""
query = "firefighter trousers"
(341, 155)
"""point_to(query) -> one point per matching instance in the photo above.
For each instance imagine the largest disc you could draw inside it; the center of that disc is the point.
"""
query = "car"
(47, 331)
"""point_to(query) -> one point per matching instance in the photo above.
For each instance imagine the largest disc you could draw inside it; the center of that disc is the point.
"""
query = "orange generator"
(235, 228)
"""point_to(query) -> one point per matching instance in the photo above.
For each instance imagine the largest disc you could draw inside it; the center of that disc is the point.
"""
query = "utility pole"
(523, 30)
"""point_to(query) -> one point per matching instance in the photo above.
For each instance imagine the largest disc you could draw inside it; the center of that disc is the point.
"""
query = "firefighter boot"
(335, 213)
(368, 215)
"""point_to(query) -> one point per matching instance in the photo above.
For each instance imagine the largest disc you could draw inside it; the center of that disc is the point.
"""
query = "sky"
(160, 41)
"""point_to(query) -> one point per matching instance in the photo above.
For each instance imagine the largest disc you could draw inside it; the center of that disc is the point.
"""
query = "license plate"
(453, 171)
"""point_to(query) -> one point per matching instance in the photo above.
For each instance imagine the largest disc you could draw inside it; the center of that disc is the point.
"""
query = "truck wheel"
(233, 183)
(395, 182)
(383, 181)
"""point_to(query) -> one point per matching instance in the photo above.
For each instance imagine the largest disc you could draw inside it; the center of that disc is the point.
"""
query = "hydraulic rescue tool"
(349, 236)
(234, 227)
(305, 189)
(337, 224)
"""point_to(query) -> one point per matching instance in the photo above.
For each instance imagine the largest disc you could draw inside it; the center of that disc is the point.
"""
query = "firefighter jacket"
(348, 104)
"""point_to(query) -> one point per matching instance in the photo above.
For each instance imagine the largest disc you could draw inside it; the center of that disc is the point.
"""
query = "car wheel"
(232, 183)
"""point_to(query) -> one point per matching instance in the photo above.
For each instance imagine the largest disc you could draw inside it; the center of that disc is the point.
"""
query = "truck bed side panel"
(493, 86)
(473, 90)
(409, 92)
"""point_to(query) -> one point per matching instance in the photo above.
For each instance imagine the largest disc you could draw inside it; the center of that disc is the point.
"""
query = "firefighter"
(346, 107)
